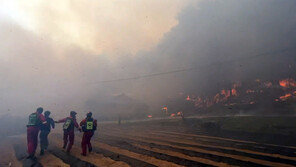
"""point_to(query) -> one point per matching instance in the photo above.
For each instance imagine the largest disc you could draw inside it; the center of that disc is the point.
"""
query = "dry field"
(151, 145)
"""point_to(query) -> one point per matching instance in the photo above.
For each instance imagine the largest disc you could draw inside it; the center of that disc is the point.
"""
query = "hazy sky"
(100, 27)
(51, 50)
(53, 53)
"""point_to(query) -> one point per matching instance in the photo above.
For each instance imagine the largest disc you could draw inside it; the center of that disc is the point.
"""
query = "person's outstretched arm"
(61, 120)
(76, 125)
(52, 123)
(82, 122)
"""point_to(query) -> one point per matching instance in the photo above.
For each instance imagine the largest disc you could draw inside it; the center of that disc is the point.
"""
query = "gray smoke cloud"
(226, 41)
(32, 76)
(209, 36)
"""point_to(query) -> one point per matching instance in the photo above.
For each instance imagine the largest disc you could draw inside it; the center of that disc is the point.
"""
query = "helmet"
(89, 114)
(46, 113)
(39, 110)
(73, 113)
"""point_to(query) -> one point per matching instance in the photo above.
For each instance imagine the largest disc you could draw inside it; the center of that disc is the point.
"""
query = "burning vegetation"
(269, 97)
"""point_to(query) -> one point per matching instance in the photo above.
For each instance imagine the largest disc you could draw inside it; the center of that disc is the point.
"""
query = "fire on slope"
(282, 90)
(287, 83)
(220, 97)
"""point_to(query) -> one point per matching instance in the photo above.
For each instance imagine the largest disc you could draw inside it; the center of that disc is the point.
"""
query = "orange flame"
(287, 83)
(173, 115)
(226, 93)
(286, 96)
(233, 92)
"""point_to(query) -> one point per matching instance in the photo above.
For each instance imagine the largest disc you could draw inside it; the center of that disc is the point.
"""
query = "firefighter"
(69, 124)
(88, 125)
(45, 130)
(36, 119)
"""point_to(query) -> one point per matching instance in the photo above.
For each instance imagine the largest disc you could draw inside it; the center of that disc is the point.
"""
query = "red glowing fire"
(286, 96)
(287, 83)
(149, 116)
(188, 98)
(233, 92)
(173, 115)
(237, 94)
(225, 93)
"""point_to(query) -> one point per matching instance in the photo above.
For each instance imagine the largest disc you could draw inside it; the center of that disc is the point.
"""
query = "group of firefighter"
(43, 124)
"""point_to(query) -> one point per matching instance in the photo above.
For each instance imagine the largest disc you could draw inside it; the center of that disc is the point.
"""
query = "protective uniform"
(88, 125)
(45, 130)
(68, 127)
(33, 127)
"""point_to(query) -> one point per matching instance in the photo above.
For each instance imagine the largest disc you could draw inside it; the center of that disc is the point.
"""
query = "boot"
(41, 152)
(29, 156)
(32, 157)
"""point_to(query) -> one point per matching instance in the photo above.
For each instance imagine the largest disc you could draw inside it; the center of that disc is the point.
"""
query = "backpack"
(67, 124)
(33, 120)
(89, 125)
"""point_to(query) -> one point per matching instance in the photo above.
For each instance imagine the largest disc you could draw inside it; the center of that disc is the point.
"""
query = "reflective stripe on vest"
(89, 125)
(67, 124)
(33, 119)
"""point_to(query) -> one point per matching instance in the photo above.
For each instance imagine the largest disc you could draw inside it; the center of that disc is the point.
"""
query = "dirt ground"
(137, 144)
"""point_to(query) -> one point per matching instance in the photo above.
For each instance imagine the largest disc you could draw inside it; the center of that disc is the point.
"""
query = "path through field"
(116, 146)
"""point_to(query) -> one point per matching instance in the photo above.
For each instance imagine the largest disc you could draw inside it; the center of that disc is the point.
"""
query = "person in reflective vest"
(45, 130)
(69, 124)
(36, 119)
(88, 125)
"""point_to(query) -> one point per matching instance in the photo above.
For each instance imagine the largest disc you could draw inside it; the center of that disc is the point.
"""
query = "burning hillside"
(272, 95)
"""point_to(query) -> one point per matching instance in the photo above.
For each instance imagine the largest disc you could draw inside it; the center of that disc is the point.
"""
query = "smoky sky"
(219, 39)
(226, 41)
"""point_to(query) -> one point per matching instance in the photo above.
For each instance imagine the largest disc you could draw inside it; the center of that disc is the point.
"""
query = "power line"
(196, 68)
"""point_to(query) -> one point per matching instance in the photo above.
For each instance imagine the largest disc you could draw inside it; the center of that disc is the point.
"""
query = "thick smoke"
(226, 41)
(33, 74)
(222, 40)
